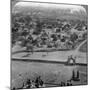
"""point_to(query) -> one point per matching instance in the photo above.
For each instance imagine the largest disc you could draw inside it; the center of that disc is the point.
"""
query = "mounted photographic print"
(48, 44)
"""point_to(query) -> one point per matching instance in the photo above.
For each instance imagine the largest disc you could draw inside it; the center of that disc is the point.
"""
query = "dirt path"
(77, 49)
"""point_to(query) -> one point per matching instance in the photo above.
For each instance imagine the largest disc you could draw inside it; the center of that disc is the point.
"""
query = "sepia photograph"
(49, 44)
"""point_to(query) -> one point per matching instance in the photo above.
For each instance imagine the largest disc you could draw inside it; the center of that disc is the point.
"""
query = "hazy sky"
(74, 7)
(37, 1)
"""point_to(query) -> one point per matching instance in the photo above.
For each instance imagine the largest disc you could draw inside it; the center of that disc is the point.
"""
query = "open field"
(50, 73)
(61, 56)
(56, 55)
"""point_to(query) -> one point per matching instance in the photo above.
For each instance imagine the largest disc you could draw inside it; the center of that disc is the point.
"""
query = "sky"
(83, 6)
(47, 5)
(76, 9)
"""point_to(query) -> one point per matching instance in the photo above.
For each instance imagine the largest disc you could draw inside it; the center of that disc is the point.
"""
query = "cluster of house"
(61, 34)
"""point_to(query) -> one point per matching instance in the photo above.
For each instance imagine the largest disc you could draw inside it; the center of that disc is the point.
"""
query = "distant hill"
(71, 12)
